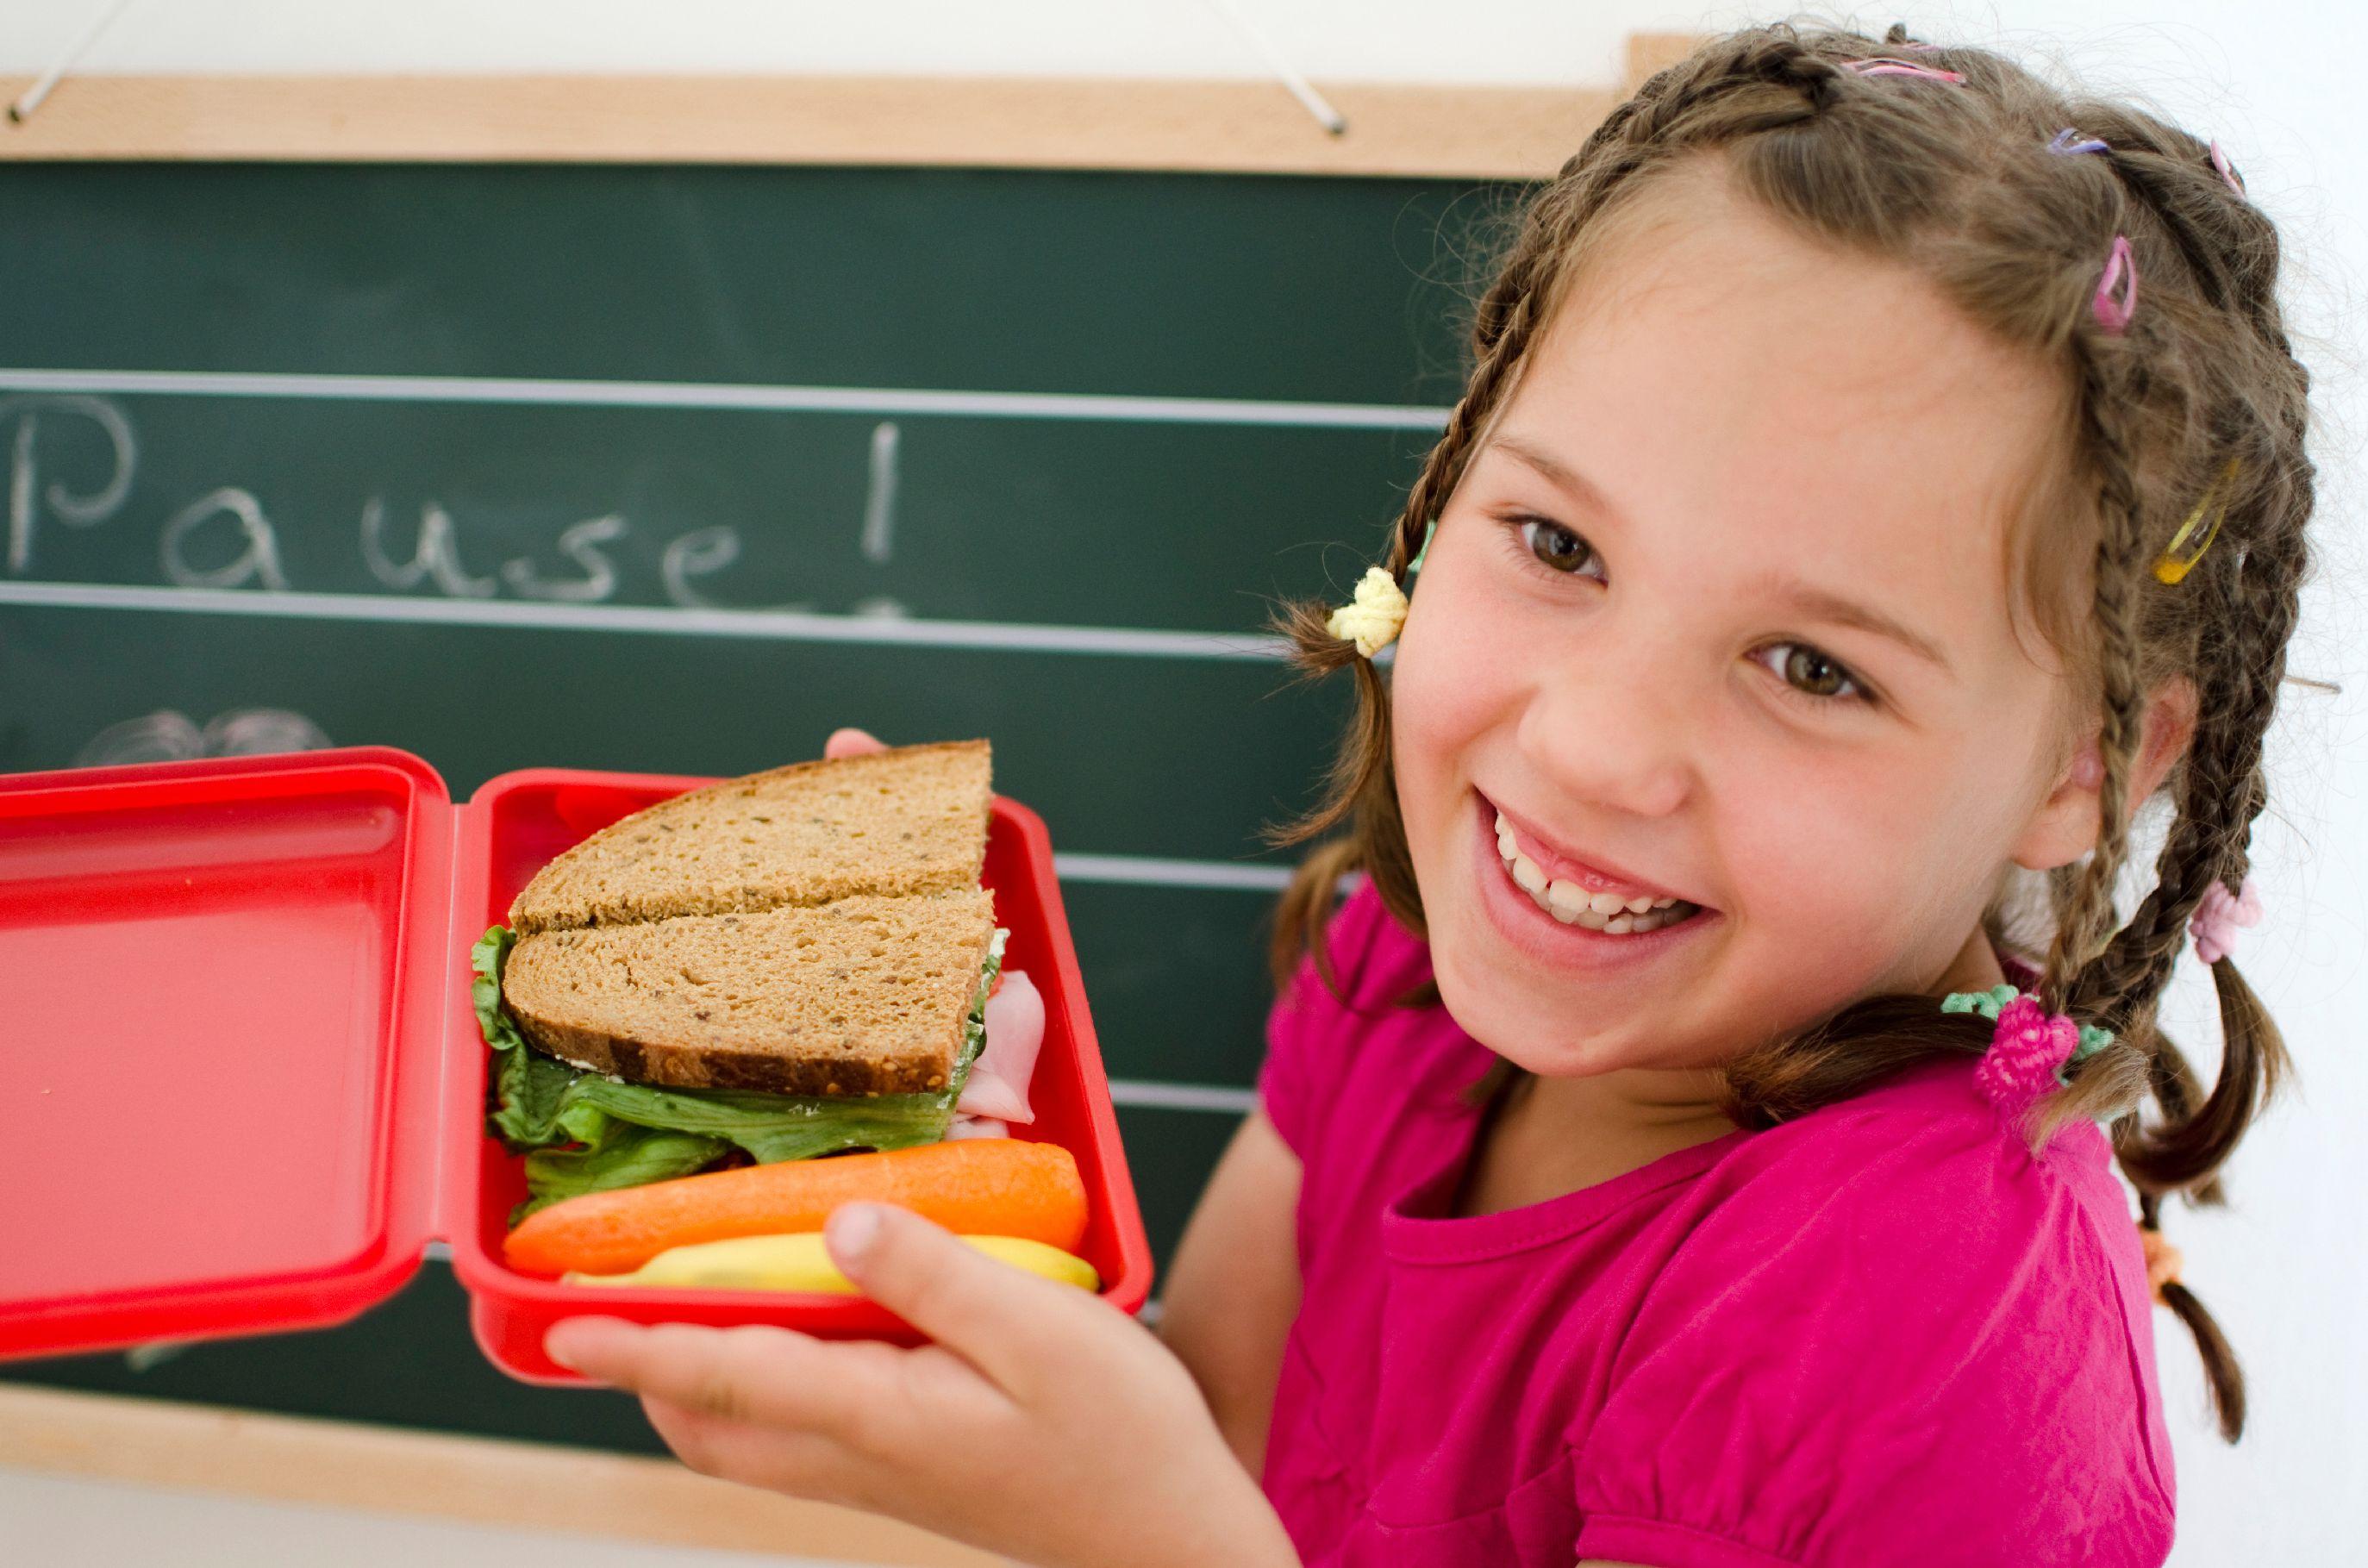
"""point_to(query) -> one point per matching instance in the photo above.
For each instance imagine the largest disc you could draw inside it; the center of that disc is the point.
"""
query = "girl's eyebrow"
(1827, 606)
(1577, 485)
(1807, 597)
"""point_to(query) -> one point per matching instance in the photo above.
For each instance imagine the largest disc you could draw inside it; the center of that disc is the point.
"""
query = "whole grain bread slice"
(862, 995)
(908, 820)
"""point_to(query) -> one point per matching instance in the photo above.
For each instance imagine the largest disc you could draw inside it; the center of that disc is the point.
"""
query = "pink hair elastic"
(2218, 915)
(2220, 162)
(2117, 291)
(2063, 143)
(2029, 1048)
(1884, 65)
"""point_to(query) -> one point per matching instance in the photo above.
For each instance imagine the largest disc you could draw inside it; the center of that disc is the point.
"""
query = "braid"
(2253, 584)
(2090, 913)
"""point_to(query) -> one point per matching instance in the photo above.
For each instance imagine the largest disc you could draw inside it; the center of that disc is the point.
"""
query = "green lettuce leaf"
(622, 1155)
(543, 1106)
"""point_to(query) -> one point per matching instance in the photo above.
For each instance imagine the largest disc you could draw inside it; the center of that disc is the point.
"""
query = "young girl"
(1691, 1142)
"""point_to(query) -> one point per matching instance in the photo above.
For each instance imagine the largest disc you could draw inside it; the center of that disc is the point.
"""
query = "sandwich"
(772, 968)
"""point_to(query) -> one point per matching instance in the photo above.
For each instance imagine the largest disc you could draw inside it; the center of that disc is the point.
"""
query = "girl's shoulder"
(1933, 1146)
(1373, 956)
(1885, 1284)
(1355, 1051)
(1925, 1182)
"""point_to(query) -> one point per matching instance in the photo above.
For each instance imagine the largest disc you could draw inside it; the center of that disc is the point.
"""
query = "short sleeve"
(1308, 1029)
(1897, 1343)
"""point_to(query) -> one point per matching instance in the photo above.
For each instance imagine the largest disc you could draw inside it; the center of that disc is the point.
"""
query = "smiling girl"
(1692, 1140)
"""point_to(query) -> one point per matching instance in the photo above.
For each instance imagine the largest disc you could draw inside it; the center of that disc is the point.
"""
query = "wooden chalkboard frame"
(1244, 127)
(308, 1462)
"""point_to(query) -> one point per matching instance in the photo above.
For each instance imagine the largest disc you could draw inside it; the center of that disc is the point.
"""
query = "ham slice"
(998, 1086)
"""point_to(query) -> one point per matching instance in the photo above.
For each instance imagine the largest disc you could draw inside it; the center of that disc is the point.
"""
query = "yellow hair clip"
(2172, 565)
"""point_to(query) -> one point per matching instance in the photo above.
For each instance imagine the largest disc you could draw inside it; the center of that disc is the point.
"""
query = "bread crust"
(692, 1067)
(818, 856)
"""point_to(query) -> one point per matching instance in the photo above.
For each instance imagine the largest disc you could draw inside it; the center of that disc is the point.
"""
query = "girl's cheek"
(1857, 864)
(1446, 690)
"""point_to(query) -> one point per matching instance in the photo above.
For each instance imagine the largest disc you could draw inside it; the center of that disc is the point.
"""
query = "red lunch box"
(245, 1085)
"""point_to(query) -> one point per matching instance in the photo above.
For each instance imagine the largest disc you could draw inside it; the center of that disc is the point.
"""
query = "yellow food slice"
(800, 1262)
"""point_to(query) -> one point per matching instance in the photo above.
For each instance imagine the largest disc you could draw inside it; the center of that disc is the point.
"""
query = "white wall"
(2285, 1269)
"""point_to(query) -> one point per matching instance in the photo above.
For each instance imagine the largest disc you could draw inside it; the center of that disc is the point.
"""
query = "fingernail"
(553, 1347)
(853, 1227)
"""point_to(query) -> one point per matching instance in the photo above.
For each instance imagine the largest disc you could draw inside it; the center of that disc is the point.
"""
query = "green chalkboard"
(676, 468)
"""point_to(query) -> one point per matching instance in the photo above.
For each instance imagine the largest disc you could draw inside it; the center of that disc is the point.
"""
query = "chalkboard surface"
(676, 468)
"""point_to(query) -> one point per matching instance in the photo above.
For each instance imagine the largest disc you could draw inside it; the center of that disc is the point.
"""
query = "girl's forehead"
(1741, 398)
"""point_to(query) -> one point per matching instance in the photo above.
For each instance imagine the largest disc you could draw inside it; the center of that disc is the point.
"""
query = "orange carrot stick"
(995, 1187)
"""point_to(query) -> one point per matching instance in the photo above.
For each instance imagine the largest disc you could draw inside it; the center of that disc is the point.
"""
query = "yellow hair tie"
(1372, 618)
(2172, 566)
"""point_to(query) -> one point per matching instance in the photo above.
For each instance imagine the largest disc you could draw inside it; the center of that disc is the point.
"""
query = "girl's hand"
(1043, 1423)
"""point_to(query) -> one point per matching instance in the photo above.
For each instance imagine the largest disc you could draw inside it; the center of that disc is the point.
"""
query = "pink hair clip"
(2117, 291)
(2218, 915)
(2063, 143)
(1884, 65)
(2220, 162)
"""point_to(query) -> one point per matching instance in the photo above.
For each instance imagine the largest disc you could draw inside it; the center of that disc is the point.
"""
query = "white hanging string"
(1326, 115)
(32, 96)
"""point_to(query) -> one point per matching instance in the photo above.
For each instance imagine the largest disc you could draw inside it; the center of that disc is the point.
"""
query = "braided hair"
(2199, 388)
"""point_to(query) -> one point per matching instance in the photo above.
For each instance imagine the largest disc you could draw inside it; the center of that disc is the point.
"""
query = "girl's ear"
(2066, 825)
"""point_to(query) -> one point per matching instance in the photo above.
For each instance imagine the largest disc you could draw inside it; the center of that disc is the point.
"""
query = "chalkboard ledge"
(489, 1481)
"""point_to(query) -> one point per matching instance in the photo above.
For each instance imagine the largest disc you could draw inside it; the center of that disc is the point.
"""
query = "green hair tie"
(1416, 564)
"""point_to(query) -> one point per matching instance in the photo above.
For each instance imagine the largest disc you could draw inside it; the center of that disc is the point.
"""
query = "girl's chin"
(1501, 1012)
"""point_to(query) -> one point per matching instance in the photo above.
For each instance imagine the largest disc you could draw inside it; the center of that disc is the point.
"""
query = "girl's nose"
(1605, 727)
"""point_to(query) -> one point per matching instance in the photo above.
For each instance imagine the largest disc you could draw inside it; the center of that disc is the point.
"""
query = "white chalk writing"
(24, 483)
(257, 562)
(190, 548)
(436, 555)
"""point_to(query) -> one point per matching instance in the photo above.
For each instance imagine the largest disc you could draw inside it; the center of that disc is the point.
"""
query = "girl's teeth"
(1573, 905)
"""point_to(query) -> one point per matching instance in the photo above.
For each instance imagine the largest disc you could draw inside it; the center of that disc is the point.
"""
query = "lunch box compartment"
(234, 995)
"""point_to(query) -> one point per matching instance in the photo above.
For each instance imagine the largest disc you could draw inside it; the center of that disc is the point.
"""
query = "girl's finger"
(1008, 1323)
(851, 743)
(755, 1373)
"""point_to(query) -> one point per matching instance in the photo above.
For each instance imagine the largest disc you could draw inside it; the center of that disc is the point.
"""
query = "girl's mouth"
(1574, 906)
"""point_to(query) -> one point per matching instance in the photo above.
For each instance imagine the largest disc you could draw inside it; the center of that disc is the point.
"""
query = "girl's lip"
(1518, 919)
(1559, 867)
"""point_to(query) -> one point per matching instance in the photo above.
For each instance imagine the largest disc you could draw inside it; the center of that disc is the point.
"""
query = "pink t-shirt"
(1880, 1334)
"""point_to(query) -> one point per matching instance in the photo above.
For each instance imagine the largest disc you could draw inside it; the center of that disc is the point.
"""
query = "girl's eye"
(1812, 677)
(1554, 544)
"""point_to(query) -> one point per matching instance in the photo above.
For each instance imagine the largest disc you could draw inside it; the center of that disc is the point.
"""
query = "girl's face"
(1720, 611)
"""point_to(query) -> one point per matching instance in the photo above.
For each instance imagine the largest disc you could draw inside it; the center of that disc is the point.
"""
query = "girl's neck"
(1545, 1137)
